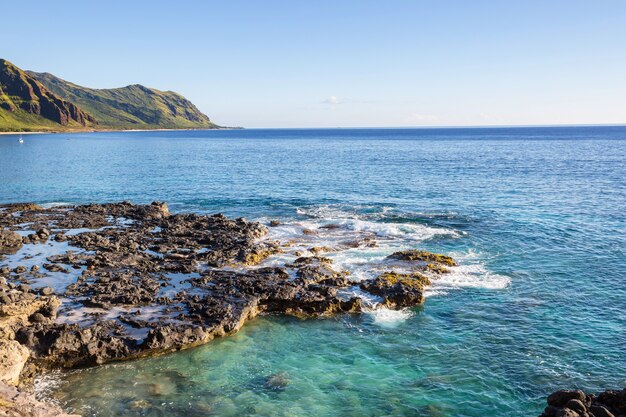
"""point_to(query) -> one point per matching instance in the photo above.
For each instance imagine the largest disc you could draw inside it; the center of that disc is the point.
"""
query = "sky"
(341, 63)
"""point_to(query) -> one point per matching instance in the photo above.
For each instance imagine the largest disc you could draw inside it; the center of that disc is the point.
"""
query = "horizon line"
(446, 127)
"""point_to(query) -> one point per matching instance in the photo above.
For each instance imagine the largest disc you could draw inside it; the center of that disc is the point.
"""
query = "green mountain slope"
(31, 101)
(134, 106)
(25, 104)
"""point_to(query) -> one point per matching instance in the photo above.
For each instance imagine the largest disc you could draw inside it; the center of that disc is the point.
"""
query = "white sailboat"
(20, 140)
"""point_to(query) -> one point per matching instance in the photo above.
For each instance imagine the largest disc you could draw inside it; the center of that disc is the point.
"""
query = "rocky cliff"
(22, 96)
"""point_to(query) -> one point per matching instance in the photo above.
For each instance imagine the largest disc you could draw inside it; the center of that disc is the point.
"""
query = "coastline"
(116, 130)
(128, 283)
(315, 211)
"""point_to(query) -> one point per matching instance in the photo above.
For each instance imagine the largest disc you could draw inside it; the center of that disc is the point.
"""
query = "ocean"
(535, 216)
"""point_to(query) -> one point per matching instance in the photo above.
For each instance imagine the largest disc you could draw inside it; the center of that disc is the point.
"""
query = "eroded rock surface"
(138, 280)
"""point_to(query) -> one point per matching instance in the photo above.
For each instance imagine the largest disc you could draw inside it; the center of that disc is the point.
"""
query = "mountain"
(41, 101)
(26, 104)
(134, 106)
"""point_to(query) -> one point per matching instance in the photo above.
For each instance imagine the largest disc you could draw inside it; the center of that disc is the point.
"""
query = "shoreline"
(115, 275)
(119, 260)
(115, 130)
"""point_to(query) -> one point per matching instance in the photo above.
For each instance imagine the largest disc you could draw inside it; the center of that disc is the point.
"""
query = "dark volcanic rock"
(144, 281)
(398, 290)
(560, 398)
(578, 404)
(424, 256)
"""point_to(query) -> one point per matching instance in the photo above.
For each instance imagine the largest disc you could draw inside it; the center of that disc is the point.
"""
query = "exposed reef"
(135, 280)
(86, 285)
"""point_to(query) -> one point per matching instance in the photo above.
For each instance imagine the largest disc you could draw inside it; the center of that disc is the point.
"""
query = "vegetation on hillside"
(32, 101)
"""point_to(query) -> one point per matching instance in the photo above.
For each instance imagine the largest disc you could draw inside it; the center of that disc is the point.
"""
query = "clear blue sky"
(341, 63)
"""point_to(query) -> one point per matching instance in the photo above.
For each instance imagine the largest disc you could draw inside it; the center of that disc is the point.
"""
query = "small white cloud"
(332, 100)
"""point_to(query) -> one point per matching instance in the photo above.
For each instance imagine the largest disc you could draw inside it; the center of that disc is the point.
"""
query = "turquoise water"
(535, 216)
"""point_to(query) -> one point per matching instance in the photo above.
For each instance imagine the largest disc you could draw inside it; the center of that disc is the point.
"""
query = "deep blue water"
(536, 216)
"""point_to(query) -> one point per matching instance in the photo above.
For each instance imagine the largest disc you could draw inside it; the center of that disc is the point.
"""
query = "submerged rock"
(277, 382)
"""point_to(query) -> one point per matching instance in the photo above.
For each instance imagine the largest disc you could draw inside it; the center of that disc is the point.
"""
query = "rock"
(46, 291)
(566, 412)
(600, 411)
(277, 382)
(34, 268)
(420, 255)
(158, 209)
(16, 207)
(274, 223)
(60, 237)
(331, 226)
(398, 290)
(613, 400)
(16, 403)
(10, 242)
(141, 261)
(55, 268)
(576, 405)
(316, 250)
(23, 288)
(257, 255)
(436, 268)
(27, 304)
(37, 318)
(550, 411)
(19, 269)
(13, 356)
(560, 398)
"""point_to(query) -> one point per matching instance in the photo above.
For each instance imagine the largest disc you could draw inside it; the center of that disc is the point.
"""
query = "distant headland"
(42, 102)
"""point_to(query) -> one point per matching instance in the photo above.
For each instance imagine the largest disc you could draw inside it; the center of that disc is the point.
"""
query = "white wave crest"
(470, 276)
(386, 317)
(55, 204)
(417, 232)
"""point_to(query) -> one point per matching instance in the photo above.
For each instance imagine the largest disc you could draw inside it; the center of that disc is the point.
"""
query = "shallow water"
(535, 216)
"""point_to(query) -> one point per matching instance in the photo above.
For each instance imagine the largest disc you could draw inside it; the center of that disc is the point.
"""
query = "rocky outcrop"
(126, 261)
(398, 290)
(579, 404)
(143, 281)
(18, 403)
